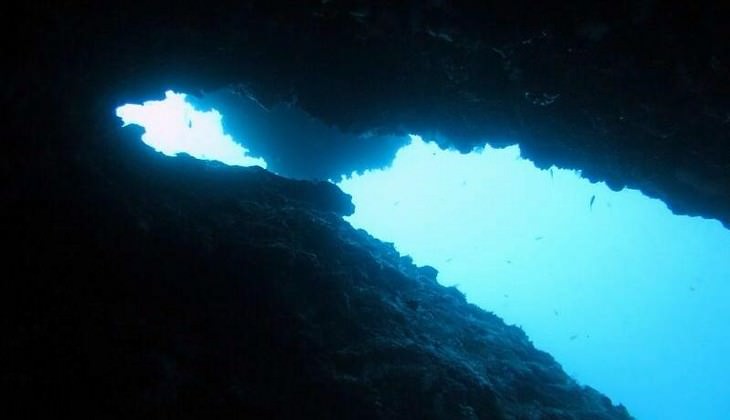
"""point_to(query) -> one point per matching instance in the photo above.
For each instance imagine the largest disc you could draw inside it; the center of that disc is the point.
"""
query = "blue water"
(628, 297)
(173, 126)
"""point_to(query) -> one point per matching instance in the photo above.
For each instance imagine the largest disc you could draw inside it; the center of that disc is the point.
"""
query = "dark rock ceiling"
(634, 93)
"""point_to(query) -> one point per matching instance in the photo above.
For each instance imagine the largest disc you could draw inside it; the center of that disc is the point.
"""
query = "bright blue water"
(173, 126)
(629, 298)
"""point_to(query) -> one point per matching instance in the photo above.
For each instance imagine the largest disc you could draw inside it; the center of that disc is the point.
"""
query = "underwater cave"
(346, 209)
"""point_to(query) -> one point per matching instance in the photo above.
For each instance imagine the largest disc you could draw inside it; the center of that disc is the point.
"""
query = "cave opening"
(600, 279)
(173, 126)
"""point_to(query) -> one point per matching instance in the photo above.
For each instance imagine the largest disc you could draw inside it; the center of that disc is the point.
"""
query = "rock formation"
(141, 285)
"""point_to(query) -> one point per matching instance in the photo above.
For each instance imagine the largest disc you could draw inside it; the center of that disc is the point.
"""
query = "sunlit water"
(629, 298)
(173, 126)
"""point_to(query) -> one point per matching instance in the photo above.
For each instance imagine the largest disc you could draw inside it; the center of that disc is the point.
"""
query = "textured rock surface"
(635, 93)
(145, 286)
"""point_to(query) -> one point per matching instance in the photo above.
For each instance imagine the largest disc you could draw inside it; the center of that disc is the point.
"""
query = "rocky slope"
(147, 286)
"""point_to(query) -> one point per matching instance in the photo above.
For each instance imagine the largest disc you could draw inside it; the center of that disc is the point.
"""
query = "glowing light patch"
(174, 126)
(628, 297)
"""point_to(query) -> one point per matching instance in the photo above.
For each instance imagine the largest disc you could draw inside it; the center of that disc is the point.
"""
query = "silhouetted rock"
(171, 287)
(636, 93)
(138, 285)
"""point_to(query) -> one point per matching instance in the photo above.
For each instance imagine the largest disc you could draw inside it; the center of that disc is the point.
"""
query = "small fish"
(555, 312)
(551, 172)
(593, 198)
(573, 337)
(537, 238)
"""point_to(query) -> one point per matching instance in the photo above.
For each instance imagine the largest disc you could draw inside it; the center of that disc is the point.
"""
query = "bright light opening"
(173, 126)
(629, 298)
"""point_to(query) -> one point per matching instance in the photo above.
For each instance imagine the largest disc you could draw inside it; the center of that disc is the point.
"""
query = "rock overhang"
(634, 95)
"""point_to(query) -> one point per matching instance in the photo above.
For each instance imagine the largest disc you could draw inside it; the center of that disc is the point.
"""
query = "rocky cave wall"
(143, 286)
(633, 93)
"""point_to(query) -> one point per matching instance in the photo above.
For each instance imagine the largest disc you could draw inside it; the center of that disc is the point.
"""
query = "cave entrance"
(173, 126)
(628, 297)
